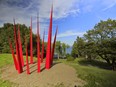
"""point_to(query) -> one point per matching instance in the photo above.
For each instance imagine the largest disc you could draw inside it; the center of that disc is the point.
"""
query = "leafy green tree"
(74, 51)
(78, 47)
(103, 37)
(8, 31)
(58, 48)
(64, 49)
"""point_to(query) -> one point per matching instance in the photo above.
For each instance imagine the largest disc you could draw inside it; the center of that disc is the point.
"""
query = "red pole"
(42, 54)
(31, 44)
(54, 45)
(15, 38)
(20, 47)
(27, 63)
(48, 55)
(38, 47)
(13, 55)
(20, 70)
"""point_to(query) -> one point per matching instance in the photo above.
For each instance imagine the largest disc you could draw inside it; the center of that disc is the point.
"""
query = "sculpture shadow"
(95, 63)
(33, 67)
(55, 63)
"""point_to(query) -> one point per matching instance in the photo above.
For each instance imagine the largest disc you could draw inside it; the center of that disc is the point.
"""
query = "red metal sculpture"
(18, 59)
(48, 55)
(31, 44)
(20, 47)
(20, 69)
(38, 47)
(42, 54)
(13, 55)
(27, 63)
(54, 45)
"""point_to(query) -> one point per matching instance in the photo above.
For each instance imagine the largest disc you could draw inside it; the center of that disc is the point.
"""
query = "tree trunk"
(113, 64)
(58, 56)
(108, 61)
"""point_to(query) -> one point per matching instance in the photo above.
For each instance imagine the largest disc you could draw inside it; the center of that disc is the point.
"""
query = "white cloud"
(14, 9)
(109, 4)
(91, 5)
(70, 33)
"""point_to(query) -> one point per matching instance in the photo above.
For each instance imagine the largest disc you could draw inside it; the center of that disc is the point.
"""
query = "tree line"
(8, 31)
(99, 42)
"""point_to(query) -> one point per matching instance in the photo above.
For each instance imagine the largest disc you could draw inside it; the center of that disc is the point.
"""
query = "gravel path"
(59, 74)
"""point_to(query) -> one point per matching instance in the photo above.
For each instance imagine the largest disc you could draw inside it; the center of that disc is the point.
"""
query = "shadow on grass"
(95, 63)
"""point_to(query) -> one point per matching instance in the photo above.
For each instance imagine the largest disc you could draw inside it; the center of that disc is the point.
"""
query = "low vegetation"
(94, 75)
(5, 59)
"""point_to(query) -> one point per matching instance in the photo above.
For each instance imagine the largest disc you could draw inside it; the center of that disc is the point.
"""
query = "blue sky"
(73, 17)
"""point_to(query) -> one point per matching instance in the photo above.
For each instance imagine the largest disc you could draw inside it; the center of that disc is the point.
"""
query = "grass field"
(93, 74)
(5, 59)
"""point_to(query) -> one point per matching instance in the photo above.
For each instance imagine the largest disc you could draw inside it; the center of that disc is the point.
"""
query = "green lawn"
(5, 59)
(93, 75)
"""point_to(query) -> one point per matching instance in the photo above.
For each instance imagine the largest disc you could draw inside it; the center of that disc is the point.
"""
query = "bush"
(70, 58)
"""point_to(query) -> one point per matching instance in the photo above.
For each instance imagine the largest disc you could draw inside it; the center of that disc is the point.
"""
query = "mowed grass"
(5, 59)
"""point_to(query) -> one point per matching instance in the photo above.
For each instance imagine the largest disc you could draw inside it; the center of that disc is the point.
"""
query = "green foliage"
(78, 47)
(98, 42)
(104, 38)
(60, 49)
(8, 31)
(70, 58)
(74, 52)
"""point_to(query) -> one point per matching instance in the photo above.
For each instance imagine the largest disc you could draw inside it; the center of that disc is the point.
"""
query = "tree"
(8, 31)
(58, 48)
(78, 47)
(64, 47)
(103, 37)
(74, 51)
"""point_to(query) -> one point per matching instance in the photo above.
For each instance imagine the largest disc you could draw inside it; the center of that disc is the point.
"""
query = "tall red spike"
(48, 55)
(54, 45)
(20, 47)
(38, 47)
(15, 38)
(13, 55)
(20, 70)
(27, 63)
(31, 44)
(42, 54)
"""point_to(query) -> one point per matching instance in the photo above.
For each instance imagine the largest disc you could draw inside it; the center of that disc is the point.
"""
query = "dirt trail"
(59, 74)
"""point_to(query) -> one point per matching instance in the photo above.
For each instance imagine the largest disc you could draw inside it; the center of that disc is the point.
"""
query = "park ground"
(77, 73)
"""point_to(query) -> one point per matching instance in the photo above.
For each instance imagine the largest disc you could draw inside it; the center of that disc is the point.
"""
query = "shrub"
(70, 58)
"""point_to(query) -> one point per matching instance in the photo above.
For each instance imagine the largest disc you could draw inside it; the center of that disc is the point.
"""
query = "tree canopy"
(99, 41)
(8, 31)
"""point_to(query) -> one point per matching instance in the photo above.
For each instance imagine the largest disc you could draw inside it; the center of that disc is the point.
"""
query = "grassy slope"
(94, 76)
(5, 59)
